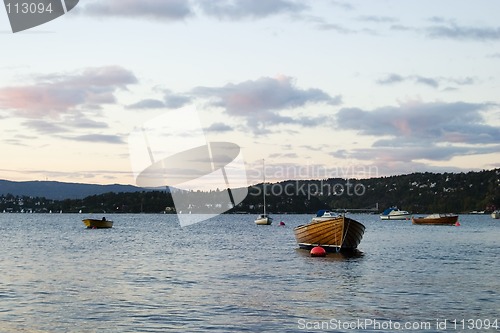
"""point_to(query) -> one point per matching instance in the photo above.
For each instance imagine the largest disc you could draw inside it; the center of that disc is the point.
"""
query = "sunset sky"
(316, 88)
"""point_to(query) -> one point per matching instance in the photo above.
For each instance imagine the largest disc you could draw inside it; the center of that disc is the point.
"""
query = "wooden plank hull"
(335, 234)
(441, 220)
(99, 224)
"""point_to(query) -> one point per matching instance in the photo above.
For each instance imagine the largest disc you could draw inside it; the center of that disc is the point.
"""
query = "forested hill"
(427, 192)
(417, 192)
(60, 190)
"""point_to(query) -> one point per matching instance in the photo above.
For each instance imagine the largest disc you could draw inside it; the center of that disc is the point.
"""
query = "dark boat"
(436, 219)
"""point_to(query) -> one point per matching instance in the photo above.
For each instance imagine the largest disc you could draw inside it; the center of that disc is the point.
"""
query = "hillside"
(417, 193)
(60, 190)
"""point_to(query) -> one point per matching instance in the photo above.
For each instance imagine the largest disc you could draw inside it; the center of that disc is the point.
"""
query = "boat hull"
(336, 234)
(396, 217)
(441, 220)
(264, 221)
(496, 214)
(98, 224)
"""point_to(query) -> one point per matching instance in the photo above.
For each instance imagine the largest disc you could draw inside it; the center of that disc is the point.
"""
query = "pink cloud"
(56, 94)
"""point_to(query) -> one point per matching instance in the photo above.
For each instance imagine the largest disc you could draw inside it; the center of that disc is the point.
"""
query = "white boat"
(393, 213)
(324, 215)
(496, 214)
(264, 219)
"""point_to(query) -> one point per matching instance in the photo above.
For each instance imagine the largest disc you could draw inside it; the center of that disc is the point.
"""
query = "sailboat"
(264, 219)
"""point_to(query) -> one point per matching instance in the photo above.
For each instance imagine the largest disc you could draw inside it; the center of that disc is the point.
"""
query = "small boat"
(324, 215)
(98, 224)
(264, 219)
(496, 214)
(436, 219)
(393, 213)
(333, 233)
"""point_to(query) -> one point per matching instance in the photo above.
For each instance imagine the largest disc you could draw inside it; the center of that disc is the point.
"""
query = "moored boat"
(436, 219)
(98, 224)
(333, 233)
(264, 219)
(393, 213)
(496, 214)
(323, 215)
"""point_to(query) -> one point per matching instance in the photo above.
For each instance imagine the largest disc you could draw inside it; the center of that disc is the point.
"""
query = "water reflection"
(148, 274)
(333, 256)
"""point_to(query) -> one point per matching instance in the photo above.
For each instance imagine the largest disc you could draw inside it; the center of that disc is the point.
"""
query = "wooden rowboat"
(436, 219)
(98, 224)
(336, 234)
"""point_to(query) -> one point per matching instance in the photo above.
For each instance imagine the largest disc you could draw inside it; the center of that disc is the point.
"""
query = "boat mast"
(264, 185)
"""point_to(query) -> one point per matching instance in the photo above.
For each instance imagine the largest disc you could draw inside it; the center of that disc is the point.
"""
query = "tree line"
(417, 192)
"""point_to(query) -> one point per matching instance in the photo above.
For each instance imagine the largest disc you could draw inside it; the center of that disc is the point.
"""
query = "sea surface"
(147, 274)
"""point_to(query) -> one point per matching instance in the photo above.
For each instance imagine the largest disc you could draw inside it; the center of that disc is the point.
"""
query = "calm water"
(147, 274)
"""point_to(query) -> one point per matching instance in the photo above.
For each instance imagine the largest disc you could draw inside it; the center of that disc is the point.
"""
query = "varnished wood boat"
(98, 224)
(338, 233)
(436, 219)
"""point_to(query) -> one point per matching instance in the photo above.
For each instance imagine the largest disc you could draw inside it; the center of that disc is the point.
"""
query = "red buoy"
(282, 223)
(318, 251)
(457, 224)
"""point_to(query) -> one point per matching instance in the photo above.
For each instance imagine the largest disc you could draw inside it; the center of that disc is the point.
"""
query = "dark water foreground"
(147, 274)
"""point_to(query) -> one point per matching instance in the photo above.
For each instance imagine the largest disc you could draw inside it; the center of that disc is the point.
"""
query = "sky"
(317, 89)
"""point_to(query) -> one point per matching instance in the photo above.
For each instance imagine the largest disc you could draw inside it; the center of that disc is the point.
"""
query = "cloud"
(400, 27)
(377, 19)
(98, 138)
(390, 79)
(242, 9)
(427, 81)
(334, 27)
(79, 120)
(175, 101)
(260, 101)
(165, 10)
(44, 127)
(179, 10)
(265, 93)
(416, 131)
(456, 32)
(219, 128)
(170, 101)
(344, 5)
(403, 158)
(423, 121)
(147, 104)
(56, 94)
(434, 82)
